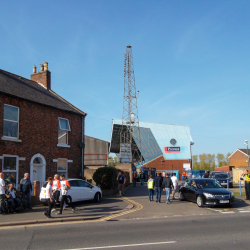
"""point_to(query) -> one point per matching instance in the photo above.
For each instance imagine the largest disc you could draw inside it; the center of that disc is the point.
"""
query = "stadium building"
(164, 147)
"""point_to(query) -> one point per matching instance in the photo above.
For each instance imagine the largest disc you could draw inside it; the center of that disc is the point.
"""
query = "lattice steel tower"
(130, 142)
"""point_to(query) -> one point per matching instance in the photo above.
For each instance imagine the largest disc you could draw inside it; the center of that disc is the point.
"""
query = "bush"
(106, 177)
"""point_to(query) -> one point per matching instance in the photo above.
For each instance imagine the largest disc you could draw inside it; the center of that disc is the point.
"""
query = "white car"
(80, 190)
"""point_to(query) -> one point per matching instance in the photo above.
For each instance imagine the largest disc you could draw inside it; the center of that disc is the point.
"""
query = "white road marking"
(244, 211)
(230, 212)
(131, 245)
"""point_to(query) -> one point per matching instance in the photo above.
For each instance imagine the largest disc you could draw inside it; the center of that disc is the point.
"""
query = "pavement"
(135, 205)
(86, 210)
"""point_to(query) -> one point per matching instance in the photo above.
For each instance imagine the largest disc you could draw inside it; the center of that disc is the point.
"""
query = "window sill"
(63, 145)
(10, 139)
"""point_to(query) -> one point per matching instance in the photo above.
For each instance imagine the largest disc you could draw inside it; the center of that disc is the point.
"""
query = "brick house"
(40, 132)
(239, 158)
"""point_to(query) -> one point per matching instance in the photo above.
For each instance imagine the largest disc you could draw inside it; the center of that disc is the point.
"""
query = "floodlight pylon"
(130, 142)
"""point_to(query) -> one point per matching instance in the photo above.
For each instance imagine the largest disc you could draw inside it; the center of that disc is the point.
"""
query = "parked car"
(80, 190)
(222, 178)
(212, 173)
(205, 192)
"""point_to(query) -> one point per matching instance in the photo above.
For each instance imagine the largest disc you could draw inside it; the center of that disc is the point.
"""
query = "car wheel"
(97, 197)
(181, 196)
(199, 201)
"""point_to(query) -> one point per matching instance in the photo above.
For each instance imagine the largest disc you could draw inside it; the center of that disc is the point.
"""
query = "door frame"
(43, 165)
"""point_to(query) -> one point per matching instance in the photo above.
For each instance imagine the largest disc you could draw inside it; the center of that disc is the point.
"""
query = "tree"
(105, 177)
(113, 161)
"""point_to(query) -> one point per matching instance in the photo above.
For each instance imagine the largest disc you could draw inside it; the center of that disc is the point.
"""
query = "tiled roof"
(244, 150)
(21, 87)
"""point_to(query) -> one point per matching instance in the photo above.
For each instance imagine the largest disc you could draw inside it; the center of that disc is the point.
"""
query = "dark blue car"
(222, 178)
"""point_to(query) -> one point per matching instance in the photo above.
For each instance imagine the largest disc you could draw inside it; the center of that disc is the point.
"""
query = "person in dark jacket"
(167, 184)
(26, 190)
(157, 187)
(142, 177)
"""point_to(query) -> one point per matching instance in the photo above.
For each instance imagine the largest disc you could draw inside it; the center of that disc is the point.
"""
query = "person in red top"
(184, 176)
(65, 186)
(56, 187)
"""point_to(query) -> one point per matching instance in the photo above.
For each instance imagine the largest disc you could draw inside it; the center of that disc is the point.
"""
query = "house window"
(10, 169)
(62, 167)
(63, 129)
(10, 121)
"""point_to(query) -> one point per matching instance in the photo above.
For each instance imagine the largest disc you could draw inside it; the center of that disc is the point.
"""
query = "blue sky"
(191, 61)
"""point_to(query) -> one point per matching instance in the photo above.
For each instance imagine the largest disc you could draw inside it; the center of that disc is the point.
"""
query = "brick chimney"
(44, 77)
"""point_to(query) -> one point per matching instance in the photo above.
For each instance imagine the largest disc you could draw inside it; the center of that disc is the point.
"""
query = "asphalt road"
(220, 231)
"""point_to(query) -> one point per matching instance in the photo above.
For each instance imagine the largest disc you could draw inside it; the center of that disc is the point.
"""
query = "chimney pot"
(43, 77)
(46, 66)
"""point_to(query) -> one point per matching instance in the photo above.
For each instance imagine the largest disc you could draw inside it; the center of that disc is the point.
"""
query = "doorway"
(38, 168)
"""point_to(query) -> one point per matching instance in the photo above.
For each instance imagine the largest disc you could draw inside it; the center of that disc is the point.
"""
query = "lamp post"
(246, 143)
(191, 143)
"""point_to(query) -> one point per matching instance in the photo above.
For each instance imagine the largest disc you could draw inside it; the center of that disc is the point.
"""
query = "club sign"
(172, 149)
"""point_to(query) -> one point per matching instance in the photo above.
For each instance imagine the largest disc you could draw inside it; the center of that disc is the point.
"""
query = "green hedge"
(106, 177)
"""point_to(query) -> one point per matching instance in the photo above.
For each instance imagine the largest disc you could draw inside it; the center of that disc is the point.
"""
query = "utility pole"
(246, 143)
(130, 143)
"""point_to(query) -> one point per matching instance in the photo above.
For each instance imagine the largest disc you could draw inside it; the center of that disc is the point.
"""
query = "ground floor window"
(10, 169)
(62, 167)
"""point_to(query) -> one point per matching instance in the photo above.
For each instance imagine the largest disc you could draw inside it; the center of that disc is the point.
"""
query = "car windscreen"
(221, 176)
(207, 184)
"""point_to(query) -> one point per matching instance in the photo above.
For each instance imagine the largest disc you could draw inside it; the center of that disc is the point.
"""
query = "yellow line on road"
(138, 207)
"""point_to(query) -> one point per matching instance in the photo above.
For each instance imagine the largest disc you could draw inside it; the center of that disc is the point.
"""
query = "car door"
(185, 189)
(192, 191)
(74, 191)
(86, 191)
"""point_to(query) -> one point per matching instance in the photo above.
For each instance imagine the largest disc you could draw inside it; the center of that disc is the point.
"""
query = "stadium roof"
(154, 138)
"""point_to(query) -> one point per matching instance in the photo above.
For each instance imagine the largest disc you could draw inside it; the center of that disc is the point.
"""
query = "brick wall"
(161, 164)
(38, 130)
(238, 159)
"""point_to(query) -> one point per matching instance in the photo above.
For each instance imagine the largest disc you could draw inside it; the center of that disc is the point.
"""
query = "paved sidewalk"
(152, 209)
(87, 210)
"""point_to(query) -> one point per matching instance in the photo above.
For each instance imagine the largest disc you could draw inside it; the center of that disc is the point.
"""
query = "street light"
(246, 143)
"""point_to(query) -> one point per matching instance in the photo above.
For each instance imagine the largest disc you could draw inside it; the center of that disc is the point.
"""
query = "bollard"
(227, 184)
(240, 187)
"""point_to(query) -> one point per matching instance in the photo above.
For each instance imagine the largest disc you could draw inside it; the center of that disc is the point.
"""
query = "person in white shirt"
(175, 184)
(2, 192)
(12, 199)
(49, 198)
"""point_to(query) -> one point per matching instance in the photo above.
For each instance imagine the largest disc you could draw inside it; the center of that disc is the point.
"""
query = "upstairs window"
(10, 121)
(63, 129)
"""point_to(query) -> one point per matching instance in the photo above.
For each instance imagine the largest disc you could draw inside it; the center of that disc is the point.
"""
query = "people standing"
(206, 175)
(143, 177)
(56, 187)
(12, 199)
(65, 186)
(121, 183)
(163, 175)
(167, 184)
(184, 176)
(49, 198)
(134, 178)
(151, 188)
(157, 187)
(26, 190)
(2, 192)
(175, 184)
(246, 177)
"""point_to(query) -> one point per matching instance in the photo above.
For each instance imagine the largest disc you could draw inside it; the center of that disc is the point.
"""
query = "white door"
(38, 173)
